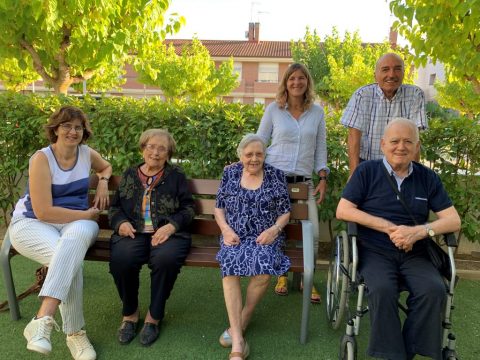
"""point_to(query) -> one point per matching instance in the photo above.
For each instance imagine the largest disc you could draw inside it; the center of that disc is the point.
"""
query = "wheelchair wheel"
(337, 281)
(449, 355)
(448, 352)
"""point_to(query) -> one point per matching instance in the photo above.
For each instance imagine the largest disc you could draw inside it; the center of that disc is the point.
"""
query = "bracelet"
(320, 178)
(105, 178)
(278, 227)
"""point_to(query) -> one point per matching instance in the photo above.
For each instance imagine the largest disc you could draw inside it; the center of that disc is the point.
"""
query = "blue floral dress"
(249, 213)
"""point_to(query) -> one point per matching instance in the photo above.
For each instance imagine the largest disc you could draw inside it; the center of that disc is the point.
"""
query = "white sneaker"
(37, 333)
(80, 347)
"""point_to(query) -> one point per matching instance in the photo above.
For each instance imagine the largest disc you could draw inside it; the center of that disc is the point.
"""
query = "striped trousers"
(62, 248)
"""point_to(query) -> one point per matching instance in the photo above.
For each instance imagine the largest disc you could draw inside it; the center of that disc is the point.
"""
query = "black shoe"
(149, 334)
(126, 332)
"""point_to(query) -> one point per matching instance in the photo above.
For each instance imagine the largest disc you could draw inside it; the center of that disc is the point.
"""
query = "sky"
(282, 20)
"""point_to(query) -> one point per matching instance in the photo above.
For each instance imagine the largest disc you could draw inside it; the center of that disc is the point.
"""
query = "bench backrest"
(204, 192)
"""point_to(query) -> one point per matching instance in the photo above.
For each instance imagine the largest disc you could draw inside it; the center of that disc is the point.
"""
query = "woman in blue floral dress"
(252, 209)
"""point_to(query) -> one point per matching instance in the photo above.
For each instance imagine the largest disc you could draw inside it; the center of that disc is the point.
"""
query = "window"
(259, 101)
(268, 72)
(432, 79)
(237, 68)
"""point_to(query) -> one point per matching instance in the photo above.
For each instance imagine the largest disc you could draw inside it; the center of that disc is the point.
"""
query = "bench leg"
(8, 278)
(307, 293)
(308, 268)
(297, 279)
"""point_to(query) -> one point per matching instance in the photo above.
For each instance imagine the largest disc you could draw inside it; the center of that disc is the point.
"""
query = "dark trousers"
(164, 261)
(387, 270)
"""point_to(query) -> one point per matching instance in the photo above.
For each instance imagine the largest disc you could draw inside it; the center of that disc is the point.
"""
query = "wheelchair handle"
(450, 239)
(352, 228)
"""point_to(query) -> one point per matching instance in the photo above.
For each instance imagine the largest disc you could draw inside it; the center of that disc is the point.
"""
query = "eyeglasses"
(153, 147)
(68, 127)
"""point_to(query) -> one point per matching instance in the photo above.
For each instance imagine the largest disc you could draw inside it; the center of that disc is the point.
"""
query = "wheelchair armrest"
(352, 228)
(450, 239)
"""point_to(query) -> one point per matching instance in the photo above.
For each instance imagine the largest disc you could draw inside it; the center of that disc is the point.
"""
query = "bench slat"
(204, 206)
(299, 212)
(203, 257)
(209, 227)
(298, 191)
(206, 227)
(203, 186)
(207, 206)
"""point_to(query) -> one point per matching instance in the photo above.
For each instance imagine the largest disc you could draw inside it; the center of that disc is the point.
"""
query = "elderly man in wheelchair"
(390, 200)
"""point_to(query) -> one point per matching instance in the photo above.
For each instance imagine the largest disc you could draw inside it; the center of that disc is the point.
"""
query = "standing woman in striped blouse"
(294, 126)
(54, 224)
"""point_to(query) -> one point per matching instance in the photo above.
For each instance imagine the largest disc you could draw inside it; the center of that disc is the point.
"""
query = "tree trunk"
(61, 86)
(476, 85)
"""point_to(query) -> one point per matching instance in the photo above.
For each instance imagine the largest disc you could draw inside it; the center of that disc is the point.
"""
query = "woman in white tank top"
(54, 224)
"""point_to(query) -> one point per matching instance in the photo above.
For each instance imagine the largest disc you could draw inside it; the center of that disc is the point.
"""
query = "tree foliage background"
(446, 31)
(13, 77)
(459, 95)
(191, 75)
(69, 41)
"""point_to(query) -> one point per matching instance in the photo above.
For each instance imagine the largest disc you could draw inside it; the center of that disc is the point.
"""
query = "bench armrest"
(308, 249)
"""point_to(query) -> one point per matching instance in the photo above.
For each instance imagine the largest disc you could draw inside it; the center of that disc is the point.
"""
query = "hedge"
(207, 136)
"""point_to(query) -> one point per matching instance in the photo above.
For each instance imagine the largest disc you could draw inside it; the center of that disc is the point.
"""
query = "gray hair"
(406, 122)
(150, 133)
(247, 140)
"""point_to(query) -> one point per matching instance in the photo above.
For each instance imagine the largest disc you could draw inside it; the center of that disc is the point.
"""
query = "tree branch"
(475, 82)
(87, 74)
(37, 62)
(64, 68)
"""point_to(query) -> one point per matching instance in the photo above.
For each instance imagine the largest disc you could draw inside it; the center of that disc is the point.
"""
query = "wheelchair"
(343, 282)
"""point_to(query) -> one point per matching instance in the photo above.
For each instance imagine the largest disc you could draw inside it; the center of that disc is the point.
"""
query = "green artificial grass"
(196, 317)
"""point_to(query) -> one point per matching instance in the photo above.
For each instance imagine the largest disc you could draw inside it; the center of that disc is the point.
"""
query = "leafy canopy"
(15, 78)
(458, 95)
(339, 66)
(69, 41)
(443, 30)
(192, 74)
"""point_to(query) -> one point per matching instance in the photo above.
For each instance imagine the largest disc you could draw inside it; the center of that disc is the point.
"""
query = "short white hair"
(247, 140)
(406, 122)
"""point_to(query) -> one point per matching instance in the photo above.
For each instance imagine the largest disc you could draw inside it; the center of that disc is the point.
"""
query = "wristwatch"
(430, 231)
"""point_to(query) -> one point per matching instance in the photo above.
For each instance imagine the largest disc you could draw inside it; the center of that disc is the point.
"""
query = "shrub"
(207, 135)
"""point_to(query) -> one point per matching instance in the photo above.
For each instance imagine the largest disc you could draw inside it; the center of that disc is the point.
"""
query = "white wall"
(425, 76)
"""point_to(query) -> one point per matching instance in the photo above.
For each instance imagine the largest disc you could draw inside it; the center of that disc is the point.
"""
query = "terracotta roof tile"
(239, 48)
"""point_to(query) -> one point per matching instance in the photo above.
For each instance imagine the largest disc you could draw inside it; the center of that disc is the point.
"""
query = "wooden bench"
(205, 234)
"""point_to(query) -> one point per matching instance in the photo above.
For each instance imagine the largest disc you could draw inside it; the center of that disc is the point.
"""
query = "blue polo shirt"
(370, 190)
